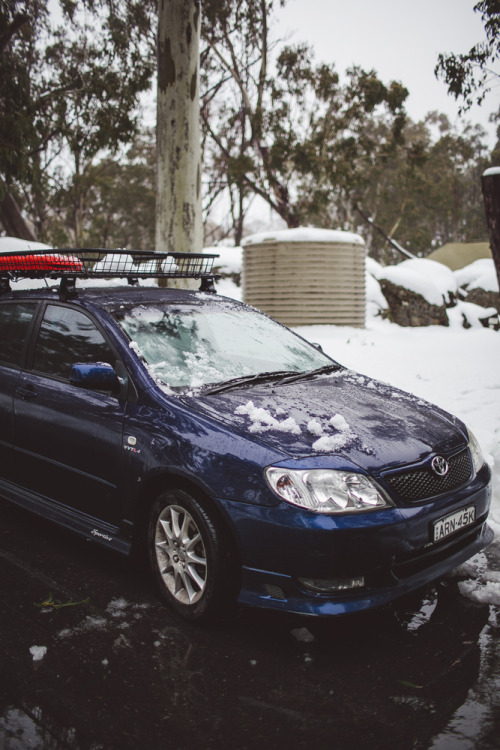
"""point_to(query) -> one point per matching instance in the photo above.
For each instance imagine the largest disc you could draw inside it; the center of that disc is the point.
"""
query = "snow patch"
(230, 259)
(481, 274)
(469, 312)
(38, 652)
(303, 635)
(262, 420)
(327, 442)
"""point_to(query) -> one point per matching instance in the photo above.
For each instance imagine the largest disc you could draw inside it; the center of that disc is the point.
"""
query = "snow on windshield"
(190, 346)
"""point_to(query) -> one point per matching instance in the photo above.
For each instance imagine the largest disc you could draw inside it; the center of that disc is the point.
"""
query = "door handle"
(26, 393)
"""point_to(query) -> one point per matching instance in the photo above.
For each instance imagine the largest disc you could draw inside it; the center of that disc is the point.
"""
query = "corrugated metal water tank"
(306, 276)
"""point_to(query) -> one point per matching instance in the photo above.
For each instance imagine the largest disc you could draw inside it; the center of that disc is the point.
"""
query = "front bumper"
(391, 549)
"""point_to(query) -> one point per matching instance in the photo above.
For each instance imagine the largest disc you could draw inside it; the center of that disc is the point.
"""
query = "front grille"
(418, 484)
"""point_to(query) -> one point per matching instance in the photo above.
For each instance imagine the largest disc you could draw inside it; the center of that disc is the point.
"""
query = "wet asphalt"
(122, 671)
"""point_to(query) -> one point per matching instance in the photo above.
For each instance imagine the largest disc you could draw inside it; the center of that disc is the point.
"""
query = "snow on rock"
(374, 268)
(478, 275)
(432, 280)
(376, 303)
(469, 312)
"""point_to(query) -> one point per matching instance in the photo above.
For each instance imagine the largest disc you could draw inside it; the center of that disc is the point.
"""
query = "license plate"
(454, 522)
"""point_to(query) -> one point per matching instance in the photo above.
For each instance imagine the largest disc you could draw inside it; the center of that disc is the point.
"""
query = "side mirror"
(97, 376)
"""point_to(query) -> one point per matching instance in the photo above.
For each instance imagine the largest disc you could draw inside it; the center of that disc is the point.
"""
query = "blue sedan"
(247, 464)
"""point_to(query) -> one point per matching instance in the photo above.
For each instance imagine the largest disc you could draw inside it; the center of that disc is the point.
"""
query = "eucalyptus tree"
(179, 215)
(277, 125)
(70, 86)
(471, 75)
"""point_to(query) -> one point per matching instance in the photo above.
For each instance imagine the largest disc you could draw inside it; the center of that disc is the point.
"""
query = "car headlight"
(476, 452)
(326, 490)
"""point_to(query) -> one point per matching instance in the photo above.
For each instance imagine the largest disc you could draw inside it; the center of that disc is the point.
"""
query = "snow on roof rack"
(68, 264)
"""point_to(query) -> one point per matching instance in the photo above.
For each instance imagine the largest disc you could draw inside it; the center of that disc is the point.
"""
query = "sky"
(399, 39)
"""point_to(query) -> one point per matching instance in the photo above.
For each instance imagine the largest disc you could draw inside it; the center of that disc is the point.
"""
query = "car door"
(15, 322)
(69, 439)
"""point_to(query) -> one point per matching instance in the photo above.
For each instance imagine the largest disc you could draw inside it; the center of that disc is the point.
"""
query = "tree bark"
(178, 200)
(13, 221)
(491, 193)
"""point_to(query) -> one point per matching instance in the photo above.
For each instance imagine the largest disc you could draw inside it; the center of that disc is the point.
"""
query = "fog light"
(331, 586)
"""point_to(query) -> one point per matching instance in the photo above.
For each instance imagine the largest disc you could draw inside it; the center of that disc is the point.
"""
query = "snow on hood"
(365, 421)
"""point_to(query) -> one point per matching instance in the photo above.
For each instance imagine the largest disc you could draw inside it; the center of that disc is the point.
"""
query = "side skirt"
(89, 527)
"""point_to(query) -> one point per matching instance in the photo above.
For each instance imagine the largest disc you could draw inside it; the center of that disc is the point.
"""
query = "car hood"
(366, 422)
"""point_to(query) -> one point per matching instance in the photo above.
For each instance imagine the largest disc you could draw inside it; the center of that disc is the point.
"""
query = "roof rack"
(69, 264)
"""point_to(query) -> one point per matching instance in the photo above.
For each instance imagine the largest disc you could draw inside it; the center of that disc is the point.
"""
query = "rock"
(483, 298)
(407, 308)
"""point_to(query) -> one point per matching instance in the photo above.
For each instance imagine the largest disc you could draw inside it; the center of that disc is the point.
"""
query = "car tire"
(189, 558)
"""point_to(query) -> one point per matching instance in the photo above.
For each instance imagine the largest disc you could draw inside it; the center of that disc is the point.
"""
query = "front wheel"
(189, 558)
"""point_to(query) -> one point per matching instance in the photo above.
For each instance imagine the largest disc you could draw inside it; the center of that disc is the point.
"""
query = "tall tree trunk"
(491, 194)
(13, 221)
(178, 199)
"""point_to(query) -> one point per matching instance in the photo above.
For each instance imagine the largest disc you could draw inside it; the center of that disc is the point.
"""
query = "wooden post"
(491, 195)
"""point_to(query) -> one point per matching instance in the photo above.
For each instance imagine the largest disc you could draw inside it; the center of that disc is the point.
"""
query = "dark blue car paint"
(90, 462)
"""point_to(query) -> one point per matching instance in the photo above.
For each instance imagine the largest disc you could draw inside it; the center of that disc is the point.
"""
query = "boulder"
(407, 308)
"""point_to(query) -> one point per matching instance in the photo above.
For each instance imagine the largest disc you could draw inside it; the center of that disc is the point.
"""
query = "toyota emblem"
(440, 466)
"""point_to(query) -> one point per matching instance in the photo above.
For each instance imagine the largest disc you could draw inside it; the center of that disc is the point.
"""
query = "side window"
(66, 337)
(15, 319)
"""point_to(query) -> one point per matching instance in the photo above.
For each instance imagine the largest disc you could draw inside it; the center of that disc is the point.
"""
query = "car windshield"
(194, 346)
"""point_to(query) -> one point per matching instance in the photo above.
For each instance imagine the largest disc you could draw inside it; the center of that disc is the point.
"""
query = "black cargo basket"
(69, 264)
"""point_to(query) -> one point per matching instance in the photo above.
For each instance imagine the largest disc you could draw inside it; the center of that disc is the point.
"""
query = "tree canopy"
(470, 76)
(281, 132)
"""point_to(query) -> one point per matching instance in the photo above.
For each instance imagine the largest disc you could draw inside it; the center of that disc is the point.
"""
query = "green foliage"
(277, 126)
(426, 191)
(469, 76)
(57, 604)
(117, 201)
(69, 92)
(290, 131)
(314, 145)
(25, 108)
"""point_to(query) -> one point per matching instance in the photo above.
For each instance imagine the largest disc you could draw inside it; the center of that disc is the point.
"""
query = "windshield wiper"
(334, 367)
(261, 377)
